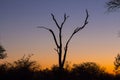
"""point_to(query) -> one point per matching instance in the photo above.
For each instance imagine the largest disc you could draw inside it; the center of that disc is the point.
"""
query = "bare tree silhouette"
(59, 43)
(113, 5)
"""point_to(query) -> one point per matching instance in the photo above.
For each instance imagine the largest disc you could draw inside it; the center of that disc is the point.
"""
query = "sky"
(97, 42)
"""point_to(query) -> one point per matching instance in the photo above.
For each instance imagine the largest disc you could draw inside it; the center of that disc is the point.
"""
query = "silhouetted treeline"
(25, 69)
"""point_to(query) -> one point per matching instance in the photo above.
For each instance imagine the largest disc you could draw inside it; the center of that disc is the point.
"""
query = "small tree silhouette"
(117, 63)
(2, 53)
(23, 69)
(25, 63)
(59, 44)
(117, 67)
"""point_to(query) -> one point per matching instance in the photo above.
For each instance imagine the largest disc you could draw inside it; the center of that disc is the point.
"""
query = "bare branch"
(55, 21)
(75, 31)
(85, 22)
(56, 50)
(79, 28)
(65, 18)
(53, 34)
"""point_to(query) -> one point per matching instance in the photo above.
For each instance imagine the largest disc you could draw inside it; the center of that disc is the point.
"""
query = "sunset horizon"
(26, 28)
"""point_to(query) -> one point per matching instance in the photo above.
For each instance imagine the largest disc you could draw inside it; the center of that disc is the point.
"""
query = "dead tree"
(60, 49)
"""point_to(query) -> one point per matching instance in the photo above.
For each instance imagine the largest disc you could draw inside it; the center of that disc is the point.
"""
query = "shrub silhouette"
(88, 71)
(60, 74)
(22, 69)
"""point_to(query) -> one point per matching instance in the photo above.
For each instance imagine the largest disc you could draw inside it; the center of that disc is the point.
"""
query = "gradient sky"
(98, 42)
